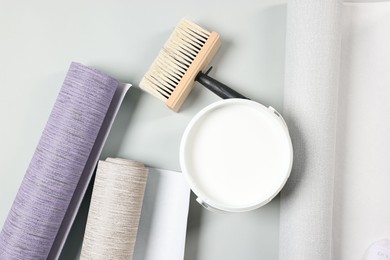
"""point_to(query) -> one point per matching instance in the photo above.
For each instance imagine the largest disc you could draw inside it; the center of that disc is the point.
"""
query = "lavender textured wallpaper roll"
(56, 166)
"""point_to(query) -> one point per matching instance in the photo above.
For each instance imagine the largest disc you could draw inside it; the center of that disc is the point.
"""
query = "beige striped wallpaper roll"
(115, 210)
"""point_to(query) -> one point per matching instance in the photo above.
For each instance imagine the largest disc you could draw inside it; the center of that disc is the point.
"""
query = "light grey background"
(39, 39)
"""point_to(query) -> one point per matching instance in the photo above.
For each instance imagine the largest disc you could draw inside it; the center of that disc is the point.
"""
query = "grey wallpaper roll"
(57, 164)
(310, 103)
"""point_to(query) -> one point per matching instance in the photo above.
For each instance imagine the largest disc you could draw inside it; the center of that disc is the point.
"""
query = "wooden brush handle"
(202, 59)
(217, 87)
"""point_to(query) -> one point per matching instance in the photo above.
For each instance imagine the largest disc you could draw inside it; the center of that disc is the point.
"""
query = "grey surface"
(38, 41)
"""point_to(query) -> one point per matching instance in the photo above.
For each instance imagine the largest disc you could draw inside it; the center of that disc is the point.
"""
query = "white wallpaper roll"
(163, 225)
(362, 181)
(310, 104)
(115, 210)
(336, 203)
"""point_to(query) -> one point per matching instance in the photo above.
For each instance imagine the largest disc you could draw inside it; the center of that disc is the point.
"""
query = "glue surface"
(237, 155)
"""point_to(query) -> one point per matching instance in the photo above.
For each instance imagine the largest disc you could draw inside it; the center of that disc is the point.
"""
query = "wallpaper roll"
(57, 164)
(115, 210)
(310, 103)
(362, 194)
(163, 224)
(88, 172)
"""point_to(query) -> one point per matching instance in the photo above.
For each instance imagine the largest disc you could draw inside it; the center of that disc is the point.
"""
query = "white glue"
(236, 154)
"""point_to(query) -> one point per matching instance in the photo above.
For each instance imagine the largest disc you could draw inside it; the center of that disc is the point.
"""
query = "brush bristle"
(174, 59)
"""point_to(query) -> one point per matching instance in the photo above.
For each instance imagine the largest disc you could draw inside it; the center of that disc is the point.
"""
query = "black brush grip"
(217, 87)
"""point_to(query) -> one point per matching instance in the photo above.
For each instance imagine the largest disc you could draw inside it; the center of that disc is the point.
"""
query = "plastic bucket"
(236, 155)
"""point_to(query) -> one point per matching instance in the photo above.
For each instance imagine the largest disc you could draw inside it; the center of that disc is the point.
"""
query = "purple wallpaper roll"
(57, 164)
